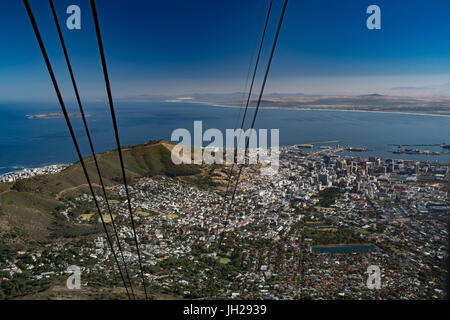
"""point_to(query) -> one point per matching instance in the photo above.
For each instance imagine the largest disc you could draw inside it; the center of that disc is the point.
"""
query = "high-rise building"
(324, 179)
(326, 160)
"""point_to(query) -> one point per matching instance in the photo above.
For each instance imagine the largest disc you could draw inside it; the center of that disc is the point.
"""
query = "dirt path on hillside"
(78, 187)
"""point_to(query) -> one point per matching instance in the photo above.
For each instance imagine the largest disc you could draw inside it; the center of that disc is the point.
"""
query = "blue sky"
(205, 46)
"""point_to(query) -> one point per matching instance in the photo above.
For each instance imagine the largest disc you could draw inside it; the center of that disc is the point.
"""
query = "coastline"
(25, 173)
(28, 172)
(9, 165)
(56, 115)
(311, 109)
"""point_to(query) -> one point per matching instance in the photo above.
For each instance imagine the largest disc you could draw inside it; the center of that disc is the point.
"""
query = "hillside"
(27, 206)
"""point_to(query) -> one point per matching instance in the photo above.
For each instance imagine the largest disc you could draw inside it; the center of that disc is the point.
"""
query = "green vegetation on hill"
(61, 228)
(143, 160)
(327, 197)
(29, 208)
(24, 216)
(30, 200)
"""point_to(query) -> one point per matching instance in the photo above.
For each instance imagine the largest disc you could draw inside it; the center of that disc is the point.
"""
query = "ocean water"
(28, 143)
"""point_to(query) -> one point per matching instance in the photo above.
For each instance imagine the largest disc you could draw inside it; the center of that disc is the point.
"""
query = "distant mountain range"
(368, 102)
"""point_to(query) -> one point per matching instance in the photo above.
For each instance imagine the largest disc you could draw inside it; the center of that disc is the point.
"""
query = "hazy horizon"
(174, 48)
